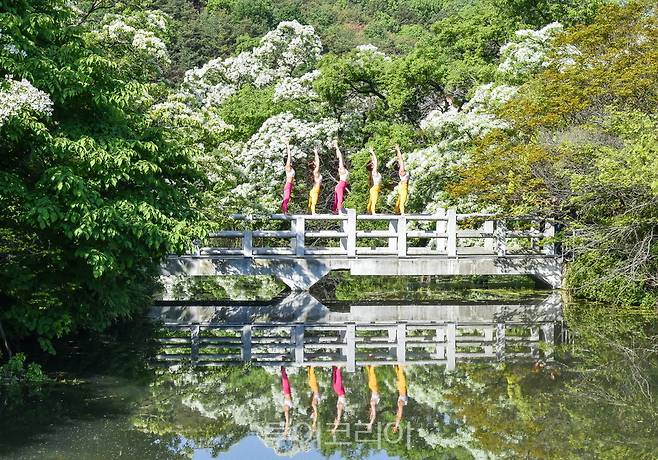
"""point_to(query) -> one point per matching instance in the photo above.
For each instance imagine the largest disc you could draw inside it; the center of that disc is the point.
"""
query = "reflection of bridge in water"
(300, 331)
(304, 248)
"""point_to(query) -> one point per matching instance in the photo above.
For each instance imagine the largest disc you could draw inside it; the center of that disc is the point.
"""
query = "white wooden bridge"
(301, 249)
(300, 331)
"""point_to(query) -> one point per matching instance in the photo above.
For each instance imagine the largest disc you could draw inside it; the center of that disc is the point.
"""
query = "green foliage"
(96, 195)
(15, 371)
(581, 145)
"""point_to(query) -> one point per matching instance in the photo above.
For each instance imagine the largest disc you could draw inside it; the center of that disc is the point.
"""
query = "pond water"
(490, 370)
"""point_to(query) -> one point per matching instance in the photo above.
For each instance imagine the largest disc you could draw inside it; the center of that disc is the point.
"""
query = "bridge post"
(501, 241)
(549, 233)
(195, 332)
(351, 232)
(300, 230)
(393, 242)
(489, 243)
(533, 230)
(246, 343)
(548, 332)
(298, 342)
(402, 236)
(348, 226)
(401, 337)
(451, 346)
(350, 344)
(247, 243)
(441, 227)
(452, 232)
(500, 342)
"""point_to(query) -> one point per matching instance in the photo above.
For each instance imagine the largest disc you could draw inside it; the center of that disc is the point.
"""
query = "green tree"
(95, 194)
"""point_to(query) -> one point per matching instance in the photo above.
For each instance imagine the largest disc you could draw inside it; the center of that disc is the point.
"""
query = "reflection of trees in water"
(601, 405)
(216, 408)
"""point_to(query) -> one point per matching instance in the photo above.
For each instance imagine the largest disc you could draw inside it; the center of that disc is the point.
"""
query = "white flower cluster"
(528, 53)
(264, 154)
(474, 119)
(177, 114)
(286, 51)
(141, 31)
(296, 89)
(13, 49)
(10, 48)
(489, 97)
(433, 166)
(372, 51)
(17, 96)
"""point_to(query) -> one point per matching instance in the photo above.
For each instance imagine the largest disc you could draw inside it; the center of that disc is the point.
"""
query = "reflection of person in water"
(402, 395)
(339, 389)
(374, 394)
(287, 400)
(315, 395)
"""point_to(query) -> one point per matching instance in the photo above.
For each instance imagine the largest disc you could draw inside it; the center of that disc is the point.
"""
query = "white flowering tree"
(137, 39)
(455, 128)
(528, 52)
(289, 51)
(20, 98)
(263, 155)
(93, 192)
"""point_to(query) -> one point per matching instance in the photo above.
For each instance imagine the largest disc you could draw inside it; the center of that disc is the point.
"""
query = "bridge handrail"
(445, 236)
(345, 343)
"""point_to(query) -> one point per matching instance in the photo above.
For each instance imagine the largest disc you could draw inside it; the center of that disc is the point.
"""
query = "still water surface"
(574, 382)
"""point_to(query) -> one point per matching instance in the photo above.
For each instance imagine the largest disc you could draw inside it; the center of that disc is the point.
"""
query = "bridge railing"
(445, 233)
(354, 344)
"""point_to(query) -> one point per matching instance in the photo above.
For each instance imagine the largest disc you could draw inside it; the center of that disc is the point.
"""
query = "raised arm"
(289, 160)
(373, 414)
(339, 416)
(400, 159)
(398, 416)
(373, 157)
(316, 164)
(339, 154)
(286, 414)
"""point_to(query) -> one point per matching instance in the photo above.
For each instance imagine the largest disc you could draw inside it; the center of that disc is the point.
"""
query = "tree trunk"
(4, 340)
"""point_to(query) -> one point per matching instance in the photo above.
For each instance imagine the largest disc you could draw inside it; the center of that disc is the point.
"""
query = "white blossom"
(372, 50)
(263, 155)
(15, 50)
(141, 31)
(285, 52)
(291, 88)
(18, 96)
(529, 51)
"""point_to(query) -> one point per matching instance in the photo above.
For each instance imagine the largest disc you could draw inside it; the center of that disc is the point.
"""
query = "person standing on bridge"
(339, 389)
(343, 174)
(287, 400)
(403, 187)
(314, 194)
(374, 394)
(375, 179)
(402, 395)
(290, 178)
(315, 396)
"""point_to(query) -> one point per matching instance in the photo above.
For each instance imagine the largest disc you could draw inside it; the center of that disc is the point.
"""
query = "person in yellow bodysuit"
(314, 194)
(315, 396)
(374, 394)
(403, 187)
(401, 383)
(375, 183)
